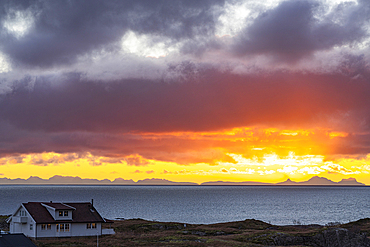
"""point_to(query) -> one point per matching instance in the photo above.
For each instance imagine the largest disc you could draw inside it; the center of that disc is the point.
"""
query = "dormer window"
(63, 213)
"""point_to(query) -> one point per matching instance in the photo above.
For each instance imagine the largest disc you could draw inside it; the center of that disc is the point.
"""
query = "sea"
(279, 205)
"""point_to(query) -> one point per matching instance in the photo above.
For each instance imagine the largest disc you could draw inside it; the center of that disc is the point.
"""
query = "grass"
(253, 233)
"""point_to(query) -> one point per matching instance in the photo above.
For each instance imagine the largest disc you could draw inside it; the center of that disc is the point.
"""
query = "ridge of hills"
(69, 180)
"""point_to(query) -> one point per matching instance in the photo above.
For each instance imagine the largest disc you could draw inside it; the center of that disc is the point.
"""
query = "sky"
(185, 90)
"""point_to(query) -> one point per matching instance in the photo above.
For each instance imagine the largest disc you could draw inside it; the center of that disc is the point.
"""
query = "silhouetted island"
(69, 180)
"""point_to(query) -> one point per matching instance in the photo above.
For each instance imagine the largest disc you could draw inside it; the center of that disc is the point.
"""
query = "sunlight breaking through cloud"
(274, 159)
(146, 45)
(185, 90)
(19, 22)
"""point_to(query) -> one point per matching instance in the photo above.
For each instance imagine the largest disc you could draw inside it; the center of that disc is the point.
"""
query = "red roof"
(84, 212)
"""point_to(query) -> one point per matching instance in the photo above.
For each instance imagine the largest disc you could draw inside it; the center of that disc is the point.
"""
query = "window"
(63, 213)
(22, 213)
(31, 226)
(46, 227)
(91, 225)
(62, 227)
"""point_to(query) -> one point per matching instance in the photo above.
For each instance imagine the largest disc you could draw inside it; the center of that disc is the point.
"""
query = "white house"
(56, 219)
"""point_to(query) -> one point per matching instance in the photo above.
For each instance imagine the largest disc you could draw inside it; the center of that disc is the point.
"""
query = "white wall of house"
(80, 229)
(27, 229)
(15, 227)
(75, 230)
(46, 232)
(22, 222)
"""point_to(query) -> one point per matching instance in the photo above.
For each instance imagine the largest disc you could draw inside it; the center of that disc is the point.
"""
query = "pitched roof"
(84, 213)
(15, 240)
(58, 206)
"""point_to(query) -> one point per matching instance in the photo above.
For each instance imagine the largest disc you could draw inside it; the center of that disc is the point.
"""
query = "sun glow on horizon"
(238, 154)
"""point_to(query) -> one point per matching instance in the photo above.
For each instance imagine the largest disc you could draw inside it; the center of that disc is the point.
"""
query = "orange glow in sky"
(239, 154)
(185, 91)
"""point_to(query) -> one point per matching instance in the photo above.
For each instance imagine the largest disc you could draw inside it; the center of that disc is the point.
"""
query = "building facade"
(56, 219)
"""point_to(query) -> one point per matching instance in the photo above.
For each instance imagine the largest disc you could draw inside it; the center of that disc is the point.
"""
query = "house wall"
(46, 233)
(25, 228)
(18, 212)
(76, 230)
(15, 227)
(79, 229)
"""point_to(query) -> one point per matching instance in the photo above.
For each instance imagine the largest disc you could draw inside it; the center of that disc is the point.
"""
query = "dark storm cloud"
(63, 30)
(291, 31)
(84, 116)
(214, 101)
(74, 113)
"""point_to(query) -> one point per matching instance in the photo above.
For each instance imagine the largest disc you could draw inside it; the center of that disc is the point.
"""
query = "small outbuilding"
(56, 219)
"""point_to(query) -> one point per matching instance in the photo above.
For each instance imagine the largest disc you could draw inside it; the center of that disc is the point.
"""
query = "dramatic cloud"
(286, 99)
(156, 84)
(291, 30)
(44, 33)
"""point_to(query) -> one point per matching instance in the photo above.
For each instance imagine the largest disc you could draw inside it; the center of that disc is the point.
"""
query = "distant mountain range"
(86, 181)
(323, 181)
(314, 181)
(59, 180)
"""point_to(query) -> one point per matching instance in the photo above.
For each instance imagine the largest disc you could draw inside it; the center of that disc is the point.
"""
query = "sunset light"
(238, 154)
(187, 92)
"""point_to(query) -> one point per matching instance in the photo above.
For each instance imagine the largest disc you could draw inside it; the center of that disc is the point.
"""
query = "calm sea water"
(205, 204)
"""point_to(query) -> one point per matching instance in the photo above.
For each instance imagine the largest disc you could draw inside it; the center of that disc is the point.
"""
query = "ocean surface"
(280, 205)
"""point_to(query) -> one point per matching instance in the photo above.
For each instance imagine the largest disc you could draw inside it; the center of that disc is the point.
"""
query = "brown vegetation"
(138, 232)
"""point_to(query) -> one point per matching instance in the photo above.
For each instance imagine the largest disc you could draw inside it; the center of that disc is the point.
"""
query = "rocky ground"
(137, 232)
(3, 224)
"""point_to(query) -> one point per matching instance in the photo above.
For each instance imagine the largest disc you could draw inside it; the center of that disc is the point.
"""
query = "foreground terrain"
(138, 232)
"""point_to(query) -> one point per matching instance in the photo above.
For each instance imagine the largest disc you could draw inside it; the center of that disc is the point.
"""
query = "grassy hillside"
(138, 232)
